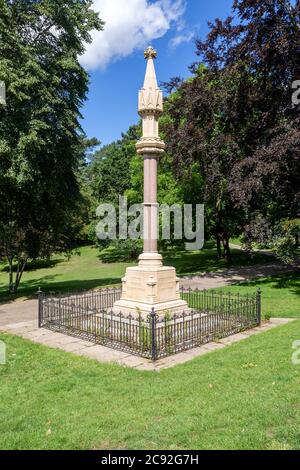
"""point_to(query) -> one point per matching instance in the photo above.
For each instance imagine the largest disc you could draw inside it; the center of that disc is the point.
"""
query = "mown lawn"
(243, 397)
(280, 294)
(82, 271)
(86, 271)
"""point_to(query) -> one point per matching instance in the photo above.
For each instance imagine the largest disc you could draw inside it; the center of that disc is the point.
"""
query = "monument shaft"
(150, 204)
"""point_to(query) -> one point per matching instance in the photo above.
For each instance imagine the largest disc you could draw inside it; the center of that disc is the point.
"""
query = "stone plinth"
(150, 286)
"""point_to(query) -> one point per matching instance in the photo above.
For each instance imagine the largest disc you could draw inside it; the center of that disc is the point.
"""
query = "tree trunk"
(21, 267)
(227, 252)
(11, 276)
(14, 285)
(219, 250)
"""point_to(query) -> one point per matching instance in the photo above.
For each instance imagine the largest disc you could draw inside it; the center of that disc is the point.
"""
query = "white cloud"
(130, 25)
(181, 38)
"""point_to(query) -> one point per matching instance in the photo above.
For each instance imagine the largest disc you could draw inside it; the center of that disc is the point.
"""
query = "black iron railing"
(210, 316)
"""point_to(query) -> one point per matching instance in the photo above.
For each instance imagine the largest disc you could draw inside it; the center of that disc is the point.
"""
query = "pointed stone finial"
(150, 53)
(150, 108)
(150, 96)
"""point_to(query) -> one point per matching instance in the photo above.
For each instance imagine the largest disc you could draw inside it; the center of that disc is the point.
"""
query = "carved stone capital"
(150, 146)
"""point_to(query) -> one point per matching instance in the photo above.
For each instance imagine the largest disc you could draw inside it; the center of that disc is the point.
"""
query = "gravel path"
(235, 275)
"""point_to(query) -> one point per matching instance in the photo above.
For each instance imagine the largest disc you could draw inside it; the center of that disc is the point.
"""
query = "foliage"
(107, 175)
(236, 118)
(197, 140)
(108, 168)
(287, 240)
(86, 210)
(40, 135)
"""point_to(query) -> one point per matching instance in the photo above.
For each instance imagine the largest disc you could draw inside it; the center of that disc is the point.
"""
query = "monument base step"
(134, 307)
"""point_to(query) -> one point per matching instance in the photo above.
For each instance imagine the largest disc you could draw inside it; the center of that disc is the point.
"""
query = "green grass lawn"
(236, 241)
(193, 263)
(280, 294)
(243, 397)
(83, 271)
(87, 271)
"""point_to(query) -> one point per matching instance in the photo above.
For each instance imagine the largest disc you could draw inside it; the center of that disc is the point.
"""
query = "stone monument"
(150, 284)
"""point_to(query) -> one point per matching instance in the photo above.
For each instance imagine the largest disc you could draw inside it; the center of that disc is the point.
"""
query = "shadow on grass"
(29, 289)
(193, 263)
(289, 281)
(37, 264)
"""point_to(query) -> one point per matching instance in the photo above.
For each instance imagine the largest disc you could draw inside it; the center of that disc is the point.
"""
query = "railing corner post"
(258, 302)
(153, 335)
(40, 295)
(59, 313)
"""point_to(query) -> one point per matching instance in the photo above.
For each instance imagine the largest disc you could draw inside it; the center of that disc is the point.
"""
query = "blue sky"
(115, 58)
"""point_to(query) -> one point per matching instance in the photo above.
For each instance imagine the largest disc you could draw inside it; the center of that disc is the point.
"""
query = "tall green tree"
(108, 175)
(109, 167)
(200, 140)
(40, 135)
(238, 119)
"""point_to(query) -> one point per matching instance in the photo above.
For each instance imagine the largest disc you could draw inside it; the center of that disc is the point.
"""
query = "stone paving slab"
(18, 311)
(234, 338)
(133, 361)
(212, 346)
(23, 324)
(195, 352)
(28, 329)
(104, 354)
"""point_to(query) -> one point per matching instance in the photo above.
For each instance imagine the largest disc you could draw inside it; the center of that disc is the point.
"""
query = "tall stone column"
(150, 284)
(150, 147)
